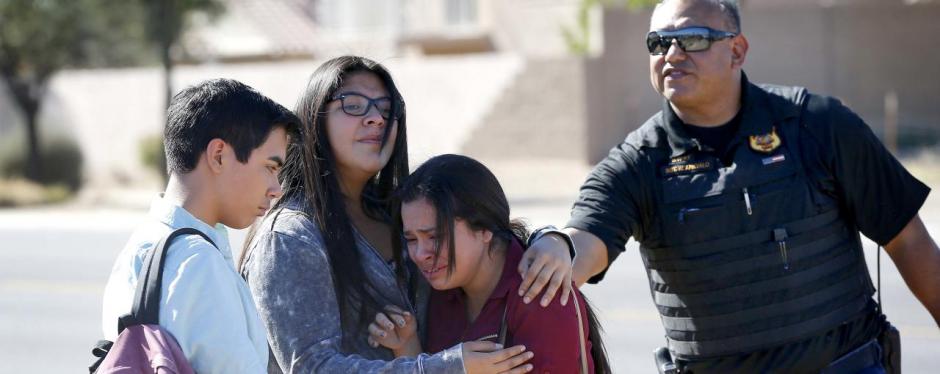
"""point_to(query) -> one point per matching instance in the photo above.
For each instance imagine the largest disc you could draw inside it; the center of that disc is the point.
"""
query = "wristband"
(542, 231)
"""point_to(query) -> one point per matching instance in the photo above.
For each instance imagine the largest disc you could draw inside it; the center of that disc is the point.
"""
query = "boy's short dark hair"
(224, 109)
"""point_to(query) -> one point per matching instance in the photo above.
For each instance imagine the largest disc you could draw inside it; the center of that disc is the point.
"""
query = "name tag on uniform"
(692, 167)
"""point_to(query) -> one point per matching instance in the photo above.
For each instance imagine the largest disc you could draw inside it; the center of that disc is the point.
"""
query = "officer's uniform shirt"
(842, 157)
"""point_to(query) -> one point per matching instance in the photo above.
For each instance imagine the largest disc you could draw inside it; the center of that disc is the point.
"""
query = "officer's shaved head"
(695, 81)
(728, 9)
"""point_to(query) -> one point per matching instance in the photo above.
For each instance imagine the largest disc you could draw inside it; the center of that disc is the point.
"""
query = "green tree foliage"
(578, 38)
(40, 37)
(165, 22)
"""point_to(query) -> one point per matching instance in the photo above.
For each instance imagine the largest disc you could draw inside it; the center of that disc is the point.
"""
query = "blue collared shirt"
(204, 303)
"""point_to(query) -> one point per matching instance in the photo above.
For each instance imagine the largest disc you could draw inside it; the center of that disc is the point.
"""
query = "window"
(460, 12)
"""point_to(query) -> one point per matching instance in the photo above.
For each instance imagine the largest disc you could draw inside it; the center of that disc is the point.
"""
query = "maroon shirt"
(551, 333)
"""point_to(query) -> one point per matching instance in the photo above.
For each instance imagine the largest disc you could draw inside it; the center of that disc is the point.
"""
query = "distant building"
(496, 78)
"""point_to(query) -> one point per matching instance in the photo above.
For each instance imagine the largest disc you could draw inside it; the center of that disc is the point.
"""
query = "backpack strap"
(503, 335)
(99, 351)
(582, 345)
(146, 307)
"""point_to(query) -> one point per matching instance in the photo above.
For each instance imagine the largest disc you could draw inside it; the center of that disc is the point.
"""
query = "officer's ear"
(739, 48)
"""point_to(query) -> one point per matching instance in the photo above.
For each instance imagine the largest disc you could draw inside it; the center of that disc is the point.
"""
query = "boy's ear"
(214, 152)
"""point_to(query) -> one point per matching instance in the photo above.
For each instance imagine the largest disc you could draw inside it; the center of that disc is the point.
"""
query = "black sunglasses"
(356, 104)
(690, 39)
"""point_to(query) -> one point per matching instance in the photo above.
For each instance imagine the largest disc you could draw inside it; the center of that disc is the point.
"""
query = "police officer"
(747, 201)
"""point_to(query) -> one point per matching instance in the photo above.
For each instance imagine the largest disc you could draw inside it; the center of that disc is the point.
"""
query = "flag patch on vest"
(774, 159)
(686, 168)
(765, 143)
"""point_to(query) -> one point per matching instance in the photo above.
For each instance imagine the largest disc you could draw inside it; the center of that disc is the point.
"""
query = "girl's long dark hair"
(461, 187)
(598, 350)
(310, 176)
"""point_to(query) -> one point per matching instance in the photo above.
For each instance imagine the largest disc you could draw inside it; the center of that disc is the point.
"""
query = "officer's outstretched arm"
(918, 259)
(591, 258)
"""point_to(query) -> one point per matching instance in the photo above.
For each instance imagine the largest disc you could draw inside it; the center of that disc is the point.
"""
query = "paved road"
(54, 263)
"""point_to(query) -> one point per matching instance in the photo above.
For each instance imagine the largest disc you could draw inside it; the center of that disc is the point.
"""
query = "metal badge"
(765, 143)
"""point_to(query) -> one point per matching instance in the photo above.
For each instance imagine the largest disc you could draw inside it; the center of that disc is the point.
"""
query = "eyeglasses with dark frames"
(356, 104)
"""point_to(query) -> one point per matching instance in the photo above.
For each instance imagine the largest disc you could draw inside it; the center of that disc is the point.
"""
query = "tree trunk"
(167, 95)
(27, 95)
(167, 62)
(166, 43)
(33, 168)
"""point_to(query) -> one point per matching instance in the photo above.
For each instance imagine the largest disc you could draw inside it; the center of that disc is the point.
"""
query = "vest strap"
(737, 241)
(802, 247)
(758, 340)
(839, 290)
(839, 265)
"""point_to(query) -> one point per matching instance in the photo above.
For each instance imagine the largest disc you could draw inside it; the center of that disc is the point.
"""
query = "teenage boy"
(225, 144)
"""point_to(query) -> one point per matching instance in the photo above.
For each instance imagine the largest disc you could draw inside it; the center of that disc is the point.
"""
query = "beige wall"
(856, 53)
(109, 111)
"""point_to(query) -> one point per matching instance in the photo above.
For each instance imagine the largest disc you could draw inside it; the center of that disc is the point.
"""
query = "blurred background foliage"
(40, 37)
(152, 155)
(578, 37)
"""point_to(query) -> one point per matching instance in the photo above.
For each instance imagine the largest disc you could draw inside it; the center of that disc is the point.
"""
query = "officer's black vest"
(751, 255)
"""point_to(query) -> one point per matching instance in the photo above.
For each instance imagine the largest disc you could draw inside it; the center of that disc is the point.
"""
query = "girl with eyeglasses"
(326, 258)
